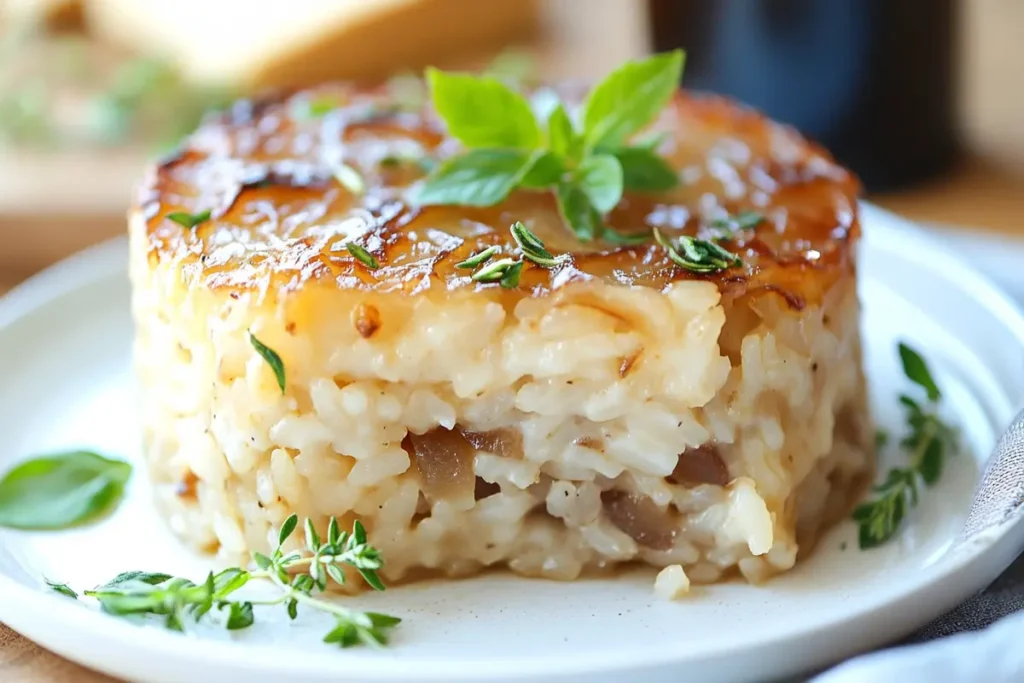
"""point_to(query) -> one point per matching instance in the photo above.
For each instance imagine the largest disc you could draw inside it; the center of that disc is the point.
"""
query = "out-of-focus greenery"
(61, 91)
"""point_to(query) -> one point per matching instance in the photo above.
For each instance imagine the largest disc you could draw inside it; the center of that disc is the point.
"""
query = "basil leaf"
(917, 371)
(480, 177)
(61, 490)
(577, 210)
(629, 98)
(562, 137)
(645, 171)
(483, 112)
(546, 171)
(600, 177)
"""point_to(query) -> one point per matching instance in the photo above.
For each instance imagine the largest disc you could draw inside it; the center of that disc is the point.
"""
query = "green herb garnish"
(61, 490)
(532, 248)
(494, 271)
(587, 167)
(189, 220)
(510, 279)
(140, 99)
(927, 443)
(916, 371)
(272, 358)
(479, 258)
(350, 179)
(744, 220)
(362, 255)
(318, 107)
(299, 575)
(698, 256)
(62, 588)
(507, 271)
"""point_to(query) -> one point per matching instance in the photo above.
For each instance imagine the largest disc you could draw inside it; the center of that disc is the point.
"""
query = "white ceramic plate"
(65, 338)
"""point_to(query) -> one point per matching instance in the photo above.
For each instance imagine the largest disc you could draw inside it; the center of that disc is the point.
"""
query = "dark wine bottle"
(871, 80)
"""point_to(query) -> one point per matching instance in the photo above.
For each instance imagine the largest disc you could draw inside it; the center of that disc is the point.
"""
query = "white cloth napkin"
(993, 655)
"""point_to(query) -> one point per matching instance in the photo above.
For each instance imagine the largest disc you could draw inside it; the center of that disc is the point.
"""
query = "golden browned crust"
(264, 170)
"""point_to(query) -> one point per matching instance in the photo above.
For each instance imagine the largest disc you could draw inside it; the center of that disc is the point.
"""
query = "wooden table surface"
(986, 192)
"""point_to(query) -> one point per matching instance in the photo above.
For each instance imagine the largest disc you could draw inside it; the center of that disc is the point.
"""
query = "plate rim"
(943, 588)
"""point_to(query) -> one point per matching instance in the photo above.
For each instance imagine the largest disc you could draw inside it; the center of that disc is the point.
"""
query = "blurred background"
(923, 98)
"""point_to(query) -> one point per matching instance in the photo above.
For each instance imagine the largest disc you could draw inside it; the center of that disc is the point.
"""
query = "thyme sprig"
(507, 271)
(532, 248)
(300, 577)
(696, 255)
(928, 441)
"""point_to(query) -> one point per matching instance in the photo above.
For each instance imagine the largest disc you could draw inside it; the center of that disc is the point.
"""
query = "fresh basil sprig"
(587, 165)
(61, 490)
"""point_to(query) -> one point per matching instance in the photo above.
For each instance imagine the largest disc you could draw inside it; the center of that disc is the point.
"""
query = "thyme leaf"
(744, 220)
(510, 280)
(698, 256)
(272, 358)
(494, 271)
(479, 258)
(362, 255)
(189, 220)
(62, 588)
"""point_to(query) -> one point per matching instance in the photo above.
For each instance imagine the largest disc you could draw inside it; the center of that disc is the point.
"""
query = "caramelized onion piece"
(186, 488)
(640, 519)
(485, 489)
(508, 443)
(701, 465)
(444, 460)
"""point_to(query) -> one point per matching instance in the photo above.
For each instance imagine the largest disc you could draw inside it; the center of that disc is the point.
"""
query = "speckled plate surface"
(66, 337)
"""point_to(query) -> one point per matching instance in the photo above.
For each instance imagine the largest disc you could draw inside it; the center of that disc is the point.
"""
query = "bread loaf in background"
(253, 44)
(55, 14)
